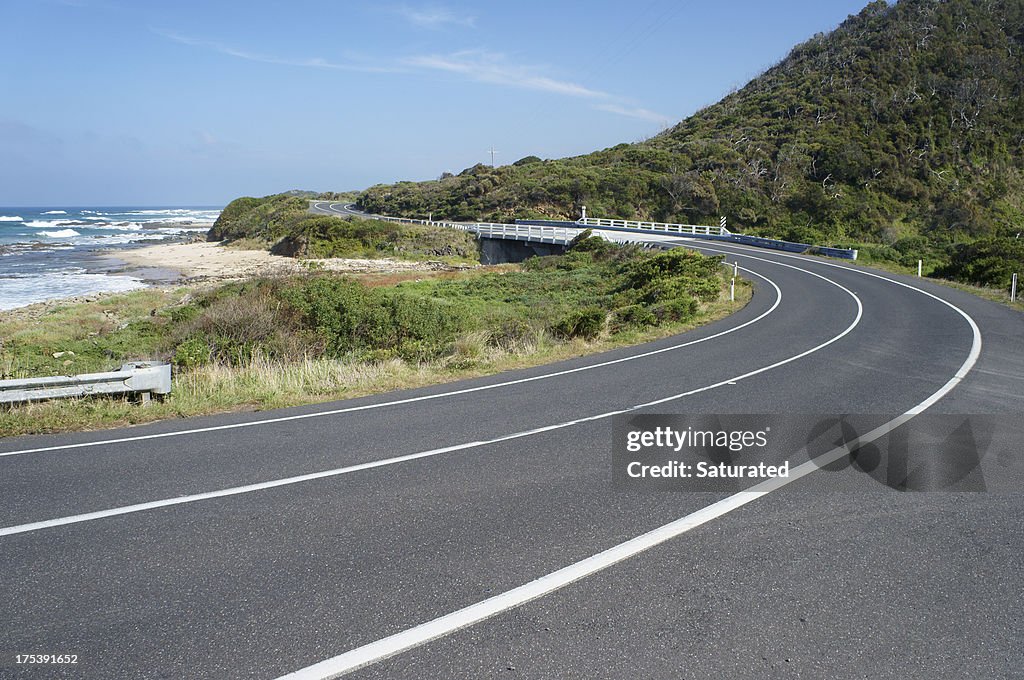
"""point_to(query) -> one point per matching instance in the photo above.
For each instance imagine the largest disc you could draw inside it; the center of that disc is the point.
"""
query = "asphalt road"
(438, 499)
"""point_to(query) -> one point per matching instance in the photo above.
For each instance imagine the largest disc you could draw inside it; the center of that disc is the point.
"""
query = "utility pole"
(492, 155)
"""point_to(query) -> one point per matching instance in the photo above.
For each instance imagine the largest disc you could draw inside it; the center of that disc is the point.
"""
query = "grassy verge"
(85, 337)
(929, 268)
(275, 343)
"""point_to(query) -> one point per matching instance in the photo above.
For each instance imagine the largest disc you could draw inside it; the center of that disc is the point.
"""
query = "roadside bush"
(512, 335)
(585, 323)
(673, 273)
(469, 349)
(987, 262)
(192, 353)
(881, 253)
(674, 310)
(542, 263)
(184, 314)
(233, 328)
(636, 316)
(421, 327)
(586, 242)
(575, 260)
(350, 317)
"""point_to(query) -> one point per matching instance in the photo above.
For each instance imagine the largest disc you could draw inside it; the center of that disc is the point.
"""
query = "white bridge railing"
(655, 226)
(524, 232)
(518, 232)
(550, 233)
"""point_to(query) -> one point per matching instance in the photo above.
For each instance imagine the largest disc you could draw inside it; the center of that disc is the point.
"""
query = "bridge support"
(501, 251)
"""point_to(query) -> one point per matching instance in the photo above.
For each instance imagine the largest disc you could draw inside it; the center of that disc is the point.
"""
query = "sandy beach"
(204, 261)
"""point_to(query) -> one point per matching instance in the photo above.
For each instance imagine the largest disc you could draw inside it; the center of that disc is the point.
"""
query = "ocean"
(61, 252)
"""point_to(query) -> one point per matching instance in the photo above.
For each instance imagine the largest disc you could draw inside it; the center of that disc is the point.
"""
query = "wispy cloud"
(494, 68)
(433, 17)
(310, 62)
(477, 65)
(633, 112)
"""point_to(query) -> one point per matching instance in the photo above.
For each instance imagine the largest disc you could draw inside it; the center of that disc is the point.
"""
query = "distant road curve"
(337, 208)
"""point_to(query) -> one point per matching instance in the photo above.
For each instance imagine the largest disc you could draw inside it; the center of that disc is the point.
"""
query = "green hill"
(904, 127)
(283, 224)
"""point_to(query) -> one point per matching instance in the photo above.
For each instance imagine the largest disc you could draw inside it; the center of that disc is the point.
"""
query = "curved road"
(395, 534)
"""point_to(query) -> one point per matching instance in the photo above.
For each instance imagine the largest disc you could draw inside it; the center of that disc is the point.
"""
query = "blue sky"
(139, 102)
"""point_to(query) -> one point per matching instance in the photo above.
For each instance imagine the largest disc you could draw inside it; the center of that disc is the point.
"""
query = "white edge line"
(398, 402)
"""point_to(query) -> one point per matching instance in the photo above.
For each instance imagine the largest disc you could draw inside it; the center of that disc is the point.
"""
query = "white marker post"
(1013, 288)
(735, 269)
(919, 263)
(584, 211)
(732, 290)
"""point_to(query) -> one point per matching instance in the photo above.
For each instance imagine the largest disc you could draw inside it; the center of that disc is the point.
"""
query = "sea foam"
(21, 291)
(10, 218)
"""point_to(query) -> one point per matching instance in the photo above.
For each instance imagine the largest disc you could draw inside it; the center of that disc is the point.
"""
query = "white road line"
(410, 400)
(444, 625)
(249, 488)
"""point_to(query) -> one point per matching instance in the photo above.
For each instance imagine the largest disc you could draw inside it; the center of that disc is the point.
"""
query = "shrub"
(674, 310)
(542, 263)
(513, 335)
(673, 273)
(636, 316)
(469, 349)
(350, 317)
(987, 262)
(598, 247)
(575, 260)
(192, 353)
(236, 324)
(586, 323)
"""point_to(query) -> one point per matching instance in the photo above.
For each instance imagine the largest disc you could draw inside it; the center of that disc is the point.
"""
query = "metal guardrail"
(667, 227)
(143, 378)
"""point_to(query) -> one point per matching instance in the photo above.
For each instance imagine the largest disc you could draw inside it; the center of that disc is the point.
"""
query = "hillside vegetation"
(283, 224)
(902, 129)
